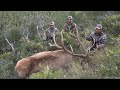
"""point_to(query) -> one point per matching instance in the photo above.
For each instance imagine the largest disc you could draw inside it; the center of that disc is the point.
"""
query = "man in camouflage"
(70, 26)
(50, 33)
(99, 37)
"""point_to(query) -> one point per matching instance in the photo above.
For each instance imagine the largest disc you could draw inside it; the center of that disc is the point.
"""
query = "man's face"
(98, 30)
(51, 26)
(69, 20)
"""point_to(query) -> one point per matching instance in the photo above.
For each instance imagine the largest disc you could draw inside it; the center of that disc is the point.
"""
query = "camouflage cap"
(98, 26)
(69, 17)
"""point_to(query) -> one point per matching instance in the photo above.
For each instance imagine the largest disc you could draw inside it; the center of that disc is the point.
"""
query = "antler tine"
(88, 49)
(93, 42)
(92, 46)
(71, 48)
(62, 41)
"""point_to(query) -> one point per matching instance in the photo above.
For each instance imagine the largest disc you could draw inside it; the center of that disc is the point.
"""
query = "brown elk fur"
(36, 62)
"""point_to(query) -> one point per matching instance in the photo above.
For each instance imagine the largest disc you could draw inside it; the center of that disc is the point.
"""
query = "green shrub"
(28, 47)
(6, 66)
(112, 68)
(111, 24)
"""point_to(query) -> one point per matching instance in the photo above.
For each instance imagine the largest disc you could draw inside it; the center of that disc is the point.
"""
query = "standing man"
(99, 37)
(70, 26)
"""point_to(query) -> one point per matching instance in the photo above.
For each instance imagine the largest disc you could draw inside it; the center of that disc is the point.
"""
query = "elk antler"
(91, 53)
(55, 44)
(63, 47)
(72, 53)
(77, 37)
(87, 51)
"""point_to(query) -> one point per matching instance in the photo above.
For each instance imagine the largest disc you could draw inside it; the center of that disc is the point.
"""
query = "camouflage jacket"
(51, 33)
(70, 28)
(99, 38)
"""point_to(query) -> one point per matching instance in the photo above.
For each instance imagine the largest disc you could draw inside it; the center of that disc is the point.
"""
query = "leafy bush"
(6, 66)
(111, 24)
(28, 47)
(112, 68)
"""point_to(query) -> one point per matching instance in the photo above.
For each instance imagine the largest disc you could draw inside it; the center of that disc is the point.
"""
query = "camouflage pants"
(49, 40)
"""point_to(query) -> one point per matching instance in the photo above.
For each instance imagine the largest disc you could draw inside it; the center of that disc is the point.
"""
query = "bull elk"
(53, 59)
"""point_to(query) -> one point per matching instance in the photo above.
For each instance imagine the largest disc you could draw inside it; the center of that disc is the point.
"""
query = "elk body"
(52, 59)
(35, 63)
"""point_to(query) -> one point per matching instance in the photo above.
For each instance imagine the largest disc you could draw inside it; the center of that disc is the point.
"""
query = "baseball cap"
(98, 26)
(52, 23)
(70, 17)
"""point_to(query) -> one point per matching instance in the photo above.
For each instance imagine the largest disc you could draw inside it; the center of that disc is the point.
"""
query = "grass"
(104, 65)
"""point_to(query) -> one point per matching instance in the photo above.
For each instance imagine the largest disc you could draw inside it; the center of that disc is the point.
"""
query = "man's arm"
(89, 37)
(100, 46)
(75, 29)
(103, 42)
(65, 27)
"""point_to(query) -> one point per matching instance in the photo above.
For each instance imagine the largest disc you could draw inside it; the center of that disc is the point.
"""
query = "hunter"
(99, 37)
(50, 33)
(70, 26)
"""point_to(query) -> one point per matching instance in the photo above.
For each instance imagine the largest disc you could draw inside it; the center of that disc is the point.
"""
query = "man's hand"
(100, 46)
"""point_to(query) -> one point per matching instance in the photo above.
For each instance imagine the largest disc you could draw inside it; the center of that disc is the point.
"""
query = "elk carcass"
(52, 59)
